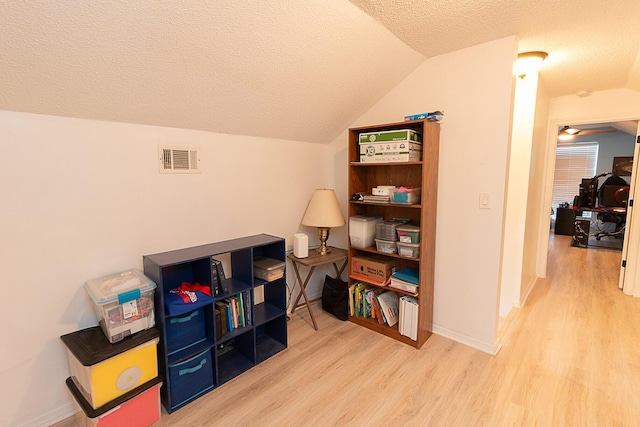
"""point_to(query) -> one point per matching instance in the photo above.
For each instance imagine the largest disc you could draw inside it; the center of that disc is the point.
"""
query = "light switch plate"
(485, 201)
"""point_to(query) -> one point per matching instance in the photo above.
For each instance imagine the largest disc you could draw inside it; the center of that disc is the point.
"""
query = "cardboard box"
(371, 268)
(388, 152)
(390, 135)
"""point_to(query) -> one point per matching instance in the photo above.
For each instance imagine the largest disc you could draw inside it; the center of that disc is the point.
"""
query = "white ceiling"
(294, 70)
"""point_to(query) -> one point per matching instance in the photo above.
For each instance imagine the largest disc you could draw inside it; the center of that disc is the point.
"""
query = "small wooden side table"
(312, 261)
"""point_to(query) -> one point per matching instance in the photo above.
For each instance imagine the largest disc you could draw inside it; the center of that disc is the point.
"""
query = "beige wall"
(524, 105)
(535, 201)
(82, 199)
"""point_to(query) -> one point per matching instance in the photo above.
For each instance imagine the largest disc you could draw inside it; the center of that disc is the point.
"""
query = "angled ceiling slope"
(292, 70)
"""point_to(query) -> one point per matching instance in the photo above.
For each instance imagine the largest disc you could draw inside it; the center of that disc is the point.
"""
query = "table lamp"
(323, 212)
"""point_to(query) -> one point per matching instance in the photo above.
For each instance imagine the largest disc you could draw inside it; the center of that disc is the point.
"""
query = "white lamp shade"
(323, 210)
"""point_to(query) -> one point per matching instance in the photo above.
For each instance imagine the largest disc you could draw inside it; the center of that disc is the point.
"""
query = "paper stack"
(405, 280)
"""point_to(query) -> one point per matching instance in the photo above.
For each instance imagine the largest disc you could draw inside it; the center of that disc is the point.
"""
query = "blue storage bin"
(191, 377)
(186, 330)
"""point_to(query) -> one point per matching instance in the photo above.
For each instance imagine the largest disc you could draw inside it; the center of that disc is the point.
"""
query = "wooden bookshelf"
(423, 174)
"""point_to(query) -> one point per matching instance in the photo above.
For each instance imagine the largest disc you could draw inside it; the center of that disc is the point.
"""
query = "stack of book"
(408, 317)
(405, 280)
(374, 303)
(370, 198)
(233, 313)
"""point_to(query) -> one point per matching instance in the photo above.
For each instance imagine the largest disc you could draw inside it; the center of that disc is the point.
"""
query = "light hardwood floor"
(571, 357)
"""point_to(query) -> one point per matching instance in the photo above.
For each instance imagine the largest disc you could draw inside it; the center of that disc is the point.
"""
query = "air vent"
(173, 159)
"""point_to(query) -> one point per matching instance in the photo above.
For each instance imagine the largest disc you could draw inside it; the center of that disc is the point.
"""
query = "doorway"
(616, 146)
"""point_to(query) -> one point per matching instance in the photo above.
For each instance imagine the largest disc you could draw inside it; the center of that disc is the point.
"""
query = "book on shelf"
(241, 318)
(373, 302)
(218, 321)
(229, 315)
(405, 280)
(246, 299)
(217, 274)
(370, 198)
(408, 317)
(222, 308)
(388, 302)
(235, 312)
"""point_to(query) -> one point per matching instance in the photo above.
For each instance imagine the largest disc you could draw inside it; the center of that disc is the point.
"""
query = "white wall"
(82, 199)
(474, 89)
(520, 149)
(535, 202)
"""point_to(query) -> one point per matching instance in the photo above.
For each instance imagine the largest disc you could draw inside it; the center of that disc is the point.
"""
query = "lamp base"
(323, 235)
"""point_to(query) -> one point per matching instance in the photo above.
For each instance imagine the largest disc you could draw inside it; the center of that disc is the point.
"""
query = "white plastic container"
(408, 250)
(362, 230)
(386, 246)
(123, 303)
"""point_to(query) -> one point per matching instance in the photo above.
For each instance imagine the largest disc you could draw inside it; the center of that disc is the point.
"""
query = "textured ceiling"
(299, 70)
(592, 45)
(286, 69)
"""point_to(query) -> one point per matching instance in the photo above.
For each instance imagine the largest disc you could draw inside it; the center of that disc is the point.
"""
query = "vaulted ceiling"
(294, 70)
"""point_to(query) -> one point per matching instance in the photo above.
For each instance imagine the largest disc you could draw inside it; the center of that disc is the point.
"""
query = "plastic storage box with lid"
(362, 230)
(138, 408)
(408, 233)
(268, 269)
(104, 371)
(409, 196)
(123, 303)
(386, 246)
(408, 250)
(387, 230)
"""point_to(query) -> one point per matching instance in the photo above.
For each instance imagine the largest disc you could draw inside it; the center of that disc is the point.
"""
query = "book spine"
(218, 324)
(229, 316)
(247, 307)
(241, 317)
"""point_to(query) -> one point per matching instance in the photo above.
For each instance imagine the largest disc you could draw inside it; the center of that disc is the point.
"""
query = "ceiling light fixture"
(529, 62)
(567, 133)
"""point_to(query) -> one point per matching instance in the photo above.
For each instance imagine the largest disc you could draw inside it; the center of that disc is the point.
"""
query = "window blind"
(573, 162)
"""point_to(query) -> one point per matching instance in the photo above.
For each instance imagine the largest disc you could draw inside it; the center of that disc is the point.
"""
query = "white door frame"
(549, 171)
(629, 265)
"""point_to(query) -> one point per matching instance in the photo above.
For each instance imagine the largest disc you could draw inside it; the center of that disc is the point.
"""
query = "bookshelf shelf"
(190, 340)
(423, 174)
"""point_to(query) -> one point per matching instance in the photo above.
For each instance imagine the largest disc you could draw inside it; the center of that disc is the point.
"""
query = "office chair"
(612, 205)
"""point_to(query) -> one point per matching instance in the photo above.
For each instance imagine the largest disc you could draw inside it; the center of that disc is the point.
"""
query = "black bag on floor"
(335, 297)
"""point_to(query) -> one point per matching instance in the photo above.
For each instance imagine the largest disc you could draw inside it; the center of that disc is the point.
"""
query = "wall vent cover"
(174, 159)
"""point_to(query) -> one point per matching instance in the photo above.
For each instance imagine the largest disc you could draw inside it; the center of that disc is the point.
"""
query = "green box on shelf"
(390, 135)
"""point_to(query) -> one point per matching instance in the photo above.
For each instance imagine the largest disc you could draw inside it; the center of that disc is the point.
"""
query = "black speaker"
(581, 232)
(565, 219)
